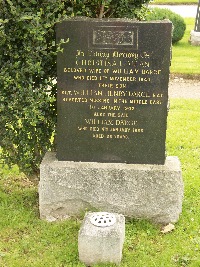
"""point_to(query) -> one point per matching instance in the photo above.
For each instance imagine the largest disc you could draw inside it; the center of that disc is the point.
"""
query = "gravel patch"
(183, 88)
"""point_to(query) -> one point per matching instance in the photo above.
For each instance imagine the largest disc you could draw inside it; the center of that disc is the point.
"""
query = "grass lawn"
(185, 57)
(26, 241)
(174, 2)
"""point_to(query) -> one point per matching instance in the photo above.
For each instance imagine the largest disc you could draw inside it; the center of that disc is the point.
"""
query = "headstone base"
(153, 192)
(101, 244)
(195, 38)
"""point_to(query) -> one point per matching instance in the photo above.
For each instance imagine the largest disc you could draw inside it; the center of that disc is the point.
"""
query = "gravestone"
(113, 91)
(197, 21)
(195, 34)
(112, 114)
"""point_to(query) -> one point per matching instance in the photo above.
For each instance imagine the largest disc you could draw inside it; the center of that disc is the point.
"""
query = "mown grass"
(26, 241)
(175, 2)
(185, 57)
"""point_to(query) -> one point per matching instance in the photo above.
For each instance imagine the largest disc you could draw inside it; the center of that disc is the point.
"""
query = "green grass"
(26, 241)
(174, 2)
(185, 57)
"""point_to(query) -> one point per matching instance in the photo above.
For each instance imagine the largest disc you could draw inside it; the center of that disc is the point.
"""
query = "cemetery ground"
(185, 59)
(27, 241)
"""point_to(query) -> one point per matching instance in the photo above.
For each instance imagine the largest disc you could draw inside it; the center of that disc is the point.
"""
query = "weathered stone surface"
(101, 244)
(195, 38)
(67, 188)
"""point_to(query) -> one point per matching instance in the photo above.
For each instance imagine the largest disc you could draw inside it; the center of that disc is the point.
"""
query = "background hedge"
(178, 22)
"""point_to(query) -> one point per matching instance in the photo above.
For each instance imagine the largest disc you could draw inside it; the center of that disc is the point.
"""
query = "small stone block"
(101, 244)
(195, 38)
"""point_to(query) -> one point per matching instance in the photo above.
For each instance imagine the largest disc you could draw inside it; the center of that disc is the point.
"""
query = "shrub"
(28, 71)
(27, 91)
(179, 25)
(108, 8)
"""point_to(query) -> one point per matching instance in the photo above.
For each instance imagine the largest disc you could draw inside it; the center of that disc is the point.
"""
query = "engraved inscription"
(114, 36)
(112, 91)
(109, 37)
(110, 96)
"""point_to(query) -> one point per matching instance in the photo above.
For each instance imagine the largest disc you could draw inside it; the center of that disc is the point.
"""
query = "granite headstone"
(112, 107)
(197, 21)
(195, 34)
(113, 90)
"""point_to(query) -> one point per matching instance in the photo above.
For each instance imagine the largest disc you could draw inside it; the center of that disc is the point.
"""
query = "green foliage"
(107, 8)
(184, 55)
(27, 91)
(179, 25)
(28, 71)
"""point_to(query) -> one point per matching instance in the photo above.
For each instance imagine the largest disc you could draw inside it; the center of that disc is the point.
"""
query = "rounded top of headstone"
(103, 219)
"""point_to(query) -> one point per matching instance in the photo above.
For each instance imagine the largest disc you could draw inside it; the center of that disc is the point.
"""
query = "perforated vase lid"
(103, 219)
